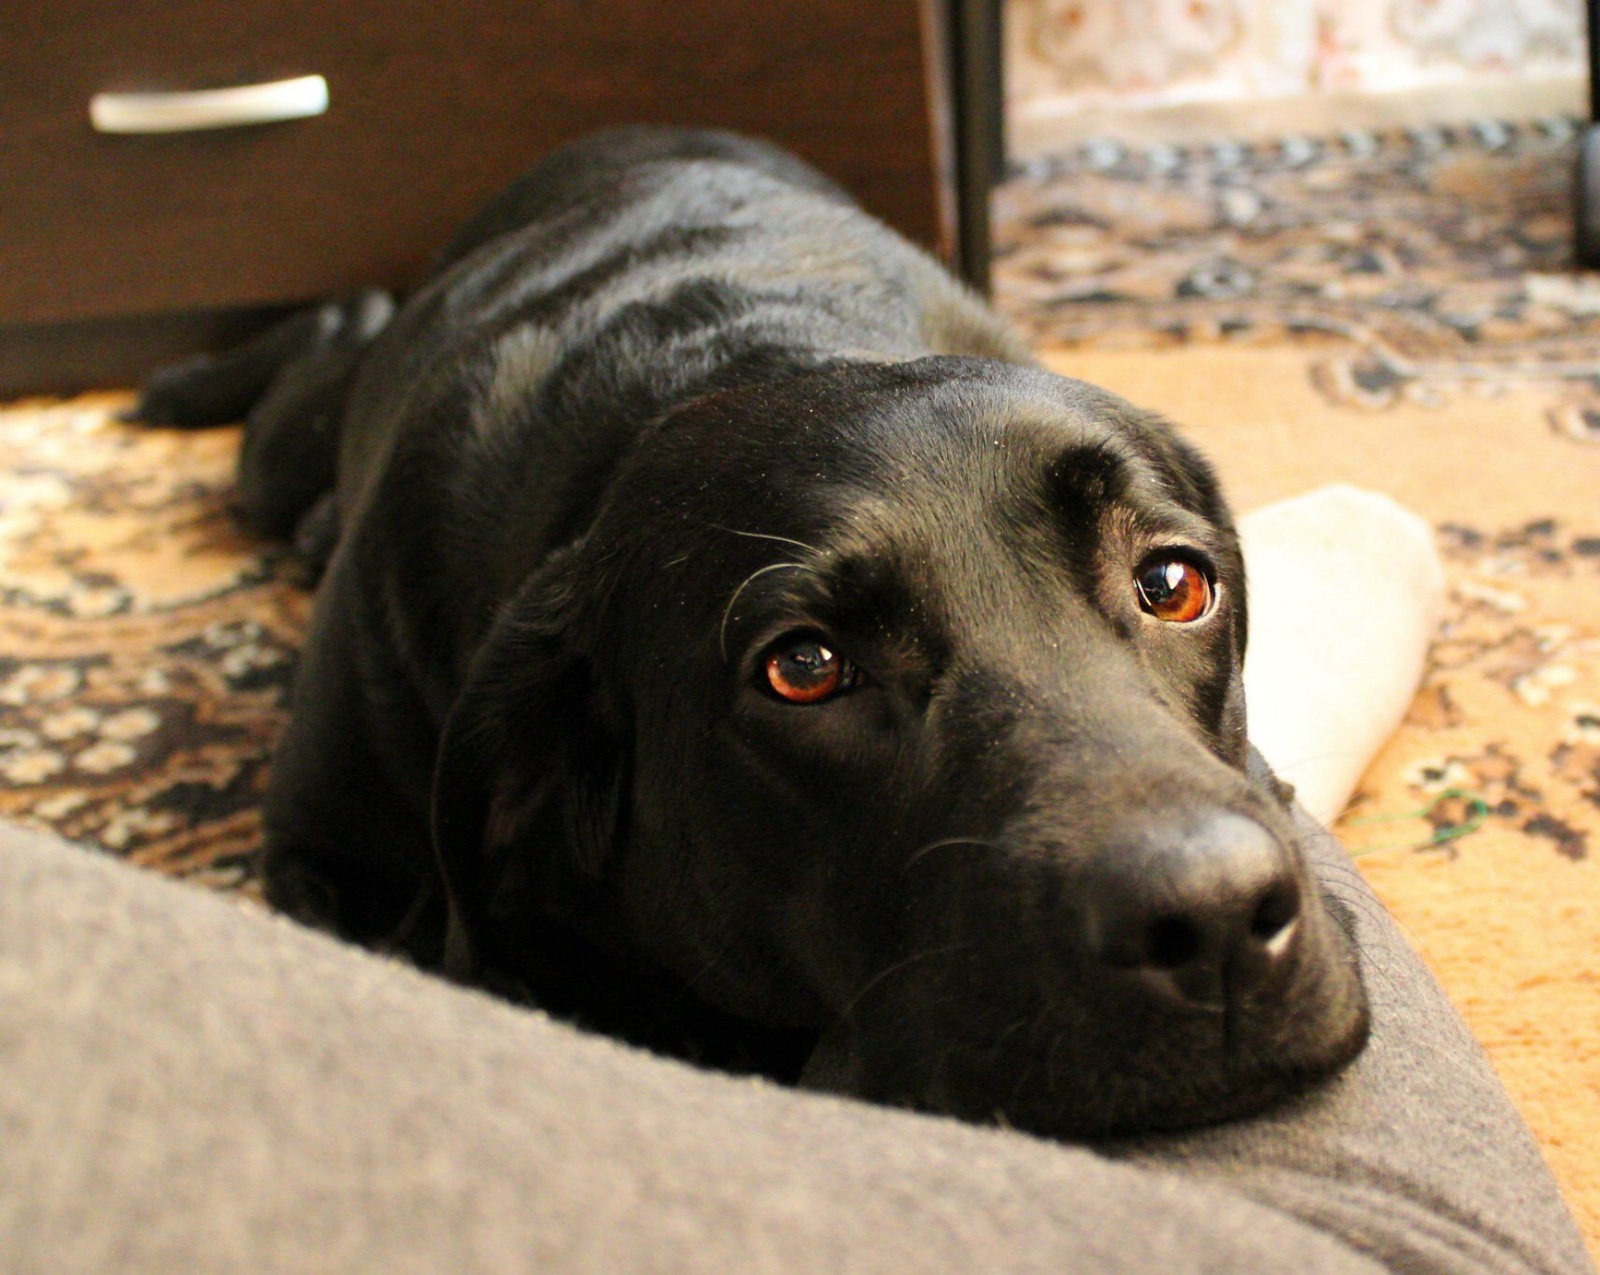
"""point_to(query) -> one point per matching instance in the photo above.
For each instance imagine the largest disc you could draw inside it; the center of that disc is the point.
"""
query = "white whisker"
(844, 1014)
(727, 611)
(761, 535)
(952, 841)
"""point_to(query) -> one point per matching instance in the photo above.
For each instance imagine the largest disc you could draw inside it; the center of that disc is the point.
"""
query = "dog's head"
(903, 703)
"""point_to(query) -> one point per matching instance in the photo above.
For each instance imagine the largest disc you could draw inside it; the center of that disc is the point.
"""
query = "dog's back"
(646, 265)
(638, 266)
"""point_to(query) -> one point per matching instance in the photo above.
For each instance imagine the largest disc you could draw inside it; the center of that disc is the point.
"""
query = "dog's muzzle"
(1182, 970)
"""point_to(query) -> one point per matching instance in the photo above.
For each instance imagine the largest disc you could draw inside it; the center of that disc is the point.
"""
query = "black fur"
(670, 400)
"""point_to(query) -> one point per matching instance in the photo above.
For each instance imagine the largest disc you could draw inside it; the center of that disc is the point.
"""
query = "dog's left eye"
(807, 671)
(1173, 590)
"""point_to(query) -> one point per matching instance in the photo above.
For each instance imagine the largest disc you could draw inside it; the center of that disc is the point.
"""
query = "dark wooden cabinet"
(115, 250)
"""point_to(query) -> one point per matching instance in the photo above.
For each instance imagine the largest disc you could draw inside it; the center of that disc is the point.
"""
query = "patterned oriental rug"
(1399, 312)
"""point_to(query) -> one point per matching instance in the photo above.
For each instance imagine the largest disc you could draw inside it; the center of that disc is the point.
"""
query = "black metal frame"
(972, 45)
(973, 32)
(1586, 206)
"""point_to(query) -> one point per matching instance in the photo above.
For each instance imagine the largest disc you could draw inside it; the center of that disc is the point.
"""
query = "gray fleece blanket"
(189, 1084)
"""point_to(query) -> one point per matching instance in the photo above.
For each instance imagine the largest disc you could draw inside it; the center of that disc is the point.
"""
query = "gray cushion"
(189, 1084)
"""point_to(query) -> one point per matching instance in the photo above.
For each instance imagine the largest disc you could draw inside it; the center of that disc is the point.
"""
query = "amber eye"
(1173, 590)
(807, 671)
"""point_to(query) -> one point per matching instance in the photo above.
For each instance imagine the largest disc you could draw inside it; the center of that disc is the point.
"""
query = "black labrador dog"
(733, 642)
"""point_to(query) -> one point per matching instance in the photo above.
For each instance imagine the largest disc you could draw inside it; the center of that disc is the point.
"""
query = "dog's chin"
(1213, 1092)
(1175, 1083)
(1090, 1107)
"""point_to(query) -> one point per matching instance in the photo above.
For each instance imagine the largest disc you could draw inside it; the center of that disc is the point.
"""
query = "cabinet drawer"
(433, 106)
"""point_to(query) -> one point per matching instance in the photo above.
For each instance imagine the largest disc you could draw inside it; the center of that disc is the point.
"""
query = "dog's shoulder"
(625, 275)
(589, 170)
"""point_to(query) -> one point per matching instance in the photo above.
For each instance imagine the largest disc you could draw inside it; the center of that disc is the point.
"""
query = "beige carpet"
(146, 648)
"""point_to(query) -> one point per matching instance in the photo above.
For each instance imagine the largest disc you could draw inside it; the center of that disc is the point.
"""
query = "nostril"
(1172, 942)
(1275, 912)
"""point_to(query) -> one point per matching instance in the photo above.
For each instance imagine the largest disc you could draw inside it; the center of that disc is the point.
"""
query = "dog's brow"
(1089, 472)
(1176, 523)
(1093, 477)
(727, 611)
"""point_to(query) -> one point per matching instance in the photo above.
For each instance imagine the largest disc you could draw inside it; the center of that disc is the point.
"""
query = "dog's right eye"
(1173, 590)
(807, 671)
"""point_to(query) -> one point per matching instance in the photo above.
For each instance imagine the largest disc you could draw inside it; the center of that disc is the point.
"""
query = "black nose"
(1202, 909)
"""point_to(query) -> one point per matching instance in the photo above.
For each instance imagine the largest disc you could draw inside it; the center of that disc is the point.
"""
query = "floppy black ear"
(528, 783)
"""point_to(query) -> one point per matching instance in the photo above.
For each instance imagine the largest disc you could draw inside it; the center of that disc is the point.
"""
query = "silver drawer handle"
(295, 99)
